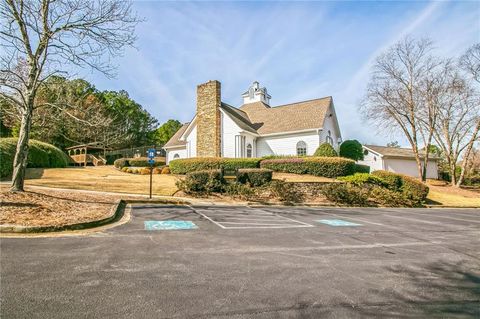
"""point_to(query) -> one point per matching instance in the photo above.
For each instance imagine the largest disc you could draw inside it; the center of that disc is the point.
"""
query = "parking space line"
(195, 211)
(446, 217)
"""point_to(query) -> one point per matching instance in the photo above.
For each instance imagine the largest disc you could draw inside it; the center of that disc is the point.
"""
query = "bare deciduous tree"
(396, 95)
(41, 38)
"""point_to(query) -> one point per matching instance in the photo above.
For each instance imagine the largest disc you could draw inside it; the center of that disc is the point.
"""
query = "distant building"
(255, 129)
(397, 160)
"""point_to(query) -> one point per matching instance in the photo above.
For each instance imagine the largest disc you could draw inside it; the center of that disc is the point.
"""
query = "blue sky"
(298, 50)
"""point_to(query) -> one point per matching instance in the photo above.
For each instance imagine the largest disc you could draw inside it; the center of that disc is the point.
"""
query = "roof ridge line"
(282, 105)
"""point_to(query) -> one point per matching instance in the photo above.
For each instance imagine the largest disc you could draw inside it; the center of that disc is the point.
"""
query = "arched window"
(176, 156)
(249, 150)
(329, 138)
(301, 148)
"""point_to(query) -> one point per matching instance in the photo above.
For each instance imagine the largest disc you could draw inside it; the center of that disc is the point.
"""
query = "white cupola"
(256, 94)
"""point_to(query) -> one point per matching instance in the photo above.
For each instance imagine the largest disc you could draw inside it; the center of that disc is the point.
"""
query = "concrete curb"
(116, 213)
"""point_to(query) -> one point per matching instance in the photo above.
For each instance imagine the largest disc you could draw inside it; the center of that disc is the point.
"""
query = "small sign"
(151, 161)
(337, 222)
(151, 153)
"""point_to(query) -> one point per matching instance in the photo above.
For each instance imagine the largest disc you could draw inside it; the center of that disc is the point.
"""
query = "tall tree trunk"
(467, 155)
(21, 156)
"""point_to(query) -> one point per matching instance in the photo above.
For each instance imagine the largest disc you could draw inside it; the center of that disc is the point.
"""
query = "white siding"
(409, 167)
(329, 124)
(373, 160)
(286, 144)
(182, 152)
(192, 142)
(229, 131)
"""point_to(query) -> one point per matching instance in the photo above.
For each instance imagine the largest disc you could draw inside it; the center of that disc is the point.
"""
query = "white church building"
(254, 129)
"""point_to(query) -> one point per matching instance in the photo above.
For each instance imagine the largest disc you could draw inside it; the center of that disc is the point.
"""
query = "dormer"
(256, 94)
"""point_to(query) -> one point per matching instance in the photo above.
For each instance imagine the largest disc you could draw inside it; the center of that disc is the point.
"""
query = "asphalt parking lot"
(252, 262)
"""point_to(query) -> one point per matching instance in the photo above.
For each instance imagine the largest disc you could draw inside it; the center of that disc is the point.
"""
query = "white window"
(176, 155)
(249, 150)
(301, 148)
(329, 138)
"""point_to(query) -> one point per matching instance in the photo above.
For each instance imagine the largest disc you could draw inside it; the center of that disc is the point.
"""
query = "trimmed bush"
(157, 170)
(145, 171)
(254, 176)
(202, 181)
(285, 192)
(40, 154)
(351, 149)
(326, 150)
(166, 170)
(125, 169)
(412, 189)
(341, 193)
(318, 166)
(360, 179)
(387, 197)
(187, 165)
(238, 190)
(360, 168)
(392, 181)
(143, 162)
(121, 163)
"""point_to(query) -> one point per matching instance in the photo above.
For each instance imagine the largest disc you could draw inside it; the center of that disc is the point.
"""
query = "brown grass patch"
(52, 207)
(101, 178)
(447, 195)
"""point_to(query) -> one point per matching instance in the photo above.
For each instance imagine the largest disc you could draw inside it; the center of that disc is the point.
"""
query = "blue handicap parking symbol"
(337, 222)
(169, 225)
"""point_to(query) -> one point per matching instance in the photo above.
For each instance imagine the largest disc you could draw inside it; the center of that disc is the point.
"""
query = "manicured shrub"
(325, 150)
(132, 171)
(360, 179)
(125, 169)
(166, 170)
(359, 168)
(351, 149)
(293, 165)
(254, 176)
(412, 189)
(143, 162)
(387, 197)
(205, 181)
(239, 190)
(121, 163)
(144, 171)
(285, 192)
(40, 155)
(157, 170)
(186, 165)
(342, 193)
(393, 181)
(318, 166)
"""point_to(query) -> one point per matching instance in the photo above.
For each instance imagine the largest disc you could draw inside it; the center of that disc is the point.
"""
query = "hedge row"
(40, 154)
(187, 165)
(318, 166)
(412, 188)
(137, 162)
(254, 176)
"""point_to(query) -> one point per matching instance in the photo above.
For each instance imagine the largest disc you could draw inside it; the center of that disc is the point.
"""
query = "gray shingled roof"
(175, 139)
(396, 151)
(289, 117)
(262, 119)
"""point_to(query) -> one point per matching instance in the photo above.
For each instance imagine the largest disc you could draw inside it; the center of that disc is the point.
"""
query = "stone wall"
(208, 119)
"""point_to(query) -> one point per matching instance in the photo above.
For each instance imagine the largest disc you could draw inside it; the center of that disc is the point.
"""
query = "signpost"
(151, 160)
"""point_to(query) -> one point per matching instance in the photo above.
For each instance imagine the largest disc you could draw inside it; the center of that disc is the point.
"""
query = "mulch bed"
(52, 207)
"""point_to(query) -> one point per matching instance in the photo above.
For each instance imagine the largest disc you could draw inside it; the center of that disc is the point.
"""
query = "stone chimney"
(208, 119)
